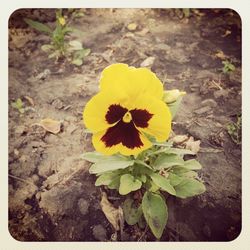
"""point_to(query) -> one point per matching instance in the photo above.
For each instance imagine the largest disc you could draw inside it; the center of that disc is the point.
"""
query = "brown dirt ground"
(52, 197)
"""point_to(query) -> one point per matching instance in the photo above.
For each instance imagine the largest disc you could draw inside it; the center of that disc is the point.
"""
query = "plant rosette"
(130, 119)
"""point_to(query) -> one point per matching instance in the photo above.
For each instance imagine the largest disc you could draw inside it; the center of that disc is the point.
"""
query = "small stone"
(148, 62)
(132, 26)
(209, 102)
(35, 178)
(57, 103)
(83, 206)
(202, 110)
(99, 232)
(221, 93)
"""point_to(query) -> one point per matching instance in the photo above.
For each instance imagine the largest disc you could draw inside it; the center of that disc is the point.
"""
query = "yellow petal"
(100, 146)
(159, 125)
(96, 109)
(120, 78)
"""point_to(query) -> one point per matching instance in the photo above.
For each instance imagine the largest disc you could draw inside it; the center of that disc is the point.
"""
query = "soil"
(52, 197)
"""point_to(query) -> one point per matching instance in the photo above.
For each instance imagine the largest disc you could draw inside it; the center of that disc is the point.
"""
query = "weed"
(18, 104)
(234, 130)
(228, 67)
(60, 46)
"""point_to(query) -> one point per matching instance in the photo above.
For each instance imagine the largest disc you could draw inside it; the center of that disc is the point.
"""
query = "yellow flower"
(62, 21)
(128, 106)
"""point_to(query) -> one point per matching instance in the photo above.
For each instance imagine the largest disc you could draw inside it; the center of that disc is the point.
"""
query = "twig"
(21, 179)
(143, 234)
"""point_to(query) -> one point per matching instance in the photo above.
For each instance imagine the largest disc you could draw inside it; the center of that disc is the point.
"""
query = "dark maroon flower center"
(125, 132)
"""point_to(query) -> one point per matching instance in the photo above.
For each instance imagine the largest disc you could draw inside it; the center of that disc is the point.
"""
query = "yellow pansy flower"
(128, 106)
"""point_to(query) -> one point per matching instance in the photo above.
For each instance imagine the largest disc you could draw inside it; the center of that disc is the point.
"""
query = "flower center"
(127, 117)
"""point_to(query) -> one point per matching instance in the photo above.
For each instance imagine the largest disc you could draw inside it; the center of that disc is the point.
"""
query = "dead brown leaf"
(179, 139)
(132, 26)
(192, 145)
(111, 213)
(50, 125)
(220, 54)
(227, 33)
(30, 100)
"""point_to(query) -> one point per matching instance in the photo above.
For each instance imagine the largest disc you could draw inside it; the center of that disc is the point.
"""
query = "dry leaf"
(111, 213)
(30, 100)
(192, 145)
(148, 62)
(50, 125)
(132, 26)
(179, 139)
(220, 54)
(227, 32)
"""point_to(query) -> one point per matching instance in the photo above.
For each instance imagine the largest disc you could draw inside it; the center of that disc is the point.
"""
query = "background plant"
(158, 170)
(60, 45)
(234, 130)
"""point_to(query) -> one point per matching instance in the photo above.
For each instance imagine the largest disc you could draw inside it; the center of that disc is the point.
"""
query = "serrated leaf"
(155, 212)
(38, 26)
(189, 188)
(128, 183)
(163, 183)
(167, 161)
(132, 214)
(192, 164)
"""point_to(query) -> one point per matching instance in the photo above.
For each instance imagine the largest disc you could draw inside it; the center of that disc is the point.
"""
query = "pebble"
(209, 102)
(221, 93)
(202, 110)
(83, 206)
(99, 232)
(148, 62)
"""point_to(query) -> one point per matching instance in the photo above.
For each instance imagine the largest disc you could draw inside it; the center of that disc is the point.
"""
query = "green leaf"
(173, 107)
(189, 188)
(163, 183)
(142, 163)
(189, 174)
(110, 164)
(167, 161)
(142, 178)
(179, 170)
(174, 179)
(77, 62)
(93, 156)
(128, 184)
(106, 178)
(132, 213)
(179, 151)
(75, 45)
(192, 164)
(38, 26)
(155, 212)
(115, 183)
(46, 47)
(162, 144)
